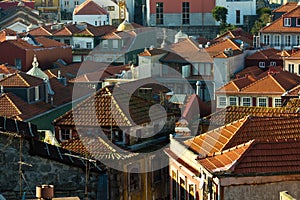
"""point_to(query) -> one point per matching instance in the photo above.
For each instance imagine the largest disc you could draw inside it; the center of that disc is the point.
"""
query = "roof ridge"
(277, 83)
(26, 83)
(233, 148)
(13, 104)
(255, 82)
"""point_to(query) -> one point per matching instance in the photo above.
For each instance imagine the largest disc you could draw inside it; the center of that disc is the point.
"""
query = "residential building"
(20, 18)
(47, 51)
(112, 124)
(217, 164)
(6, 4)
(283, 32)
(91, 13)
(282, 9)
(265, 58)
(238, 11)
(266, 91)
(292, 63)
(49, 9)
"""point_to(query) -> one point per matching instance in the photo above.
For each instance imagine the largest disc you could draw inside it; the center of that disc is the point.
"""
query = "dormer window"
(272, 63)
(297, 21)
(287, 21)
(262, 64)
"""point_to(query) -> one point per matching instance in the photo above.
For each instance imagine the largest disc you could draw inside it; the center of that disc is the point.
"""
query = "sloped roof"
(233, 34)
(218, 47)
(278, 25)
(233, 113)
(255, 158)
(195, 106)
(7, 70)
(89, 7)
(98, 148)
(253, 71)
(152, 52)
(8, 108)
(22, 80)
(265, 54)
(91, 30)
(286, 7)
(293, 103)
(273, 83)
(106, 108)
(243, 130)
(45, 43)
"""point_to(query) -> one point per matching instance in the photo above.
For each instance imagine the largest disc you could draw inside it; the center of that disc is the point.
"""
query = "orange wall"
(175, 6)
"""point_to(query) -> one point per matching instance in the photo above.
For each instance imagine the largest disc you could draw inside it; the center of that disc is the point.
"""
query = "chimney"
(44, 192)
(61, 79)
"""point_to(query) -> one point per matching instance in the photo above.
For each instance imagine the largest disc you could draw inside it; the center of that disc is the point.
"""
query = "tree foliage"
(220, 14)
(264, 18)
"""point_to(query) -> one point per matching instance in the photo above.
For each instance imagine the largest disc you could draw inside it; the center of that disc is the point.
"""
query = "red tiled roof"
(272, 83)
(243, 130)
(218, 47)
(22, 80)
(96, 30)
(97, 148)
(286, 7)
(236, 85)
(42, 31)
(293, 103)
(67, 30)
(152, 52)
(7, 70)
(265, 54)
(8, 108)
(255, 158)
(233, 113)
(45, 42)
(253, 71)
(89, 7)
(278, 25)
(234, 34)
(193, 107)
(106, 108)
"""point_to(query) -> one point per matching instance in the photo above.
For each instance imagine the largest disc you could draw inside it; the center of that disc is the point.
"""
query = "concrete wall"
(91, 19)
(263, 191)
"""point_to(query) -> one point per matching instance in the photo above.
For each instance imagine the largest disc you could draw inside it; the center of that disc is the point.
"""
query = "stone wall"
(67, 180)
(262, 191)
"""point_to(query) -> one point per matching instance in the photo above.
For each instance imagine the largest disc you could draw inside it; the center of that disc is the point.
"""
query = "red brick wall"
(175, 6)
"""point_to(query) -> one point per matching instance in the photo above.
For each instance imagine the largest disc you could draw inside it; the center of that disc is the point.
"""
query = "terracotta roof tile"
(21, 79)
(104, 105)
(8, 108)
(265, 54)
(193, 107)
(89, 7)
(293, 103)
(99, 148)
(218, 47)
(7, 70)
(233, 113)
(244, 130)
(45, 42)
(286, 7)
(153, 52)
(278, 25)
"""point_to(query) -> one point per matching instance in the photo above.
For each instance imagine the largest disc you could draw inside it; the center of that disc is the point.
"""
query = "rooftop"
(89, 7)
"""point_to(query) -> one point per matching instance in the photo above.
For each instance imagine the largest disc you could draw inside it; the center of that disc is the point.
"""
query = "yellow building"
(49, 9)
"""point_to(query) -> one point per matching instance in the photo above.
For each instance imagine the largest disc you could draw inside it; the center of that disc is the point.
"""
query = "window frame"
(262, 98)
(238, 16)
(262, 64)
(291, 68)
(277, 43)
(289, 39)
(159, 13)
(219, 102)
(287, 21)
(275, 102)
(266, 39)
(89, 45)
(104, 43)
(243, 101)
(185, 16)
(63, 132)
(297, 21)
(236, 100)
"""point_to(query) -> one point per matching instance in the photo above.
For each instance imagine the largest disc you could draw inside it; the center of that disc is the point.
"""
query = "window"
(276, 40)
(111, 8)
(182, 190)
(37, 93)
(238, 16)
(174, 185)
(66, 3)
(156, 170)
(262, 102)
(297, 21)
(95, 23)
(65, 134)
(191, 191)
(134, 178)
(43, 2)
(76, 3)
(233, 101)
(222, 101)
(298, 40)
(185, 12)
(246, 101)
(261, 64)
(89, 45)
(50, 3)
(273, 63)
(159, 13)
(105, 43)
(277, 102)
(77, 46)
(202, 69)
(67, 41)
(287, 40)
(115, 44)
(299, 69)
(57, 40)
(266, 39)
(287, 21)
(18, 63)
(291, 68)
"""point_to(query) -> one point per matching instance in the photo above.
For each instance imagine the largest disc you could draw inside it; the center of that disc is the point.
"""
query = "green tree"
(220, 14)
(264, 18)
